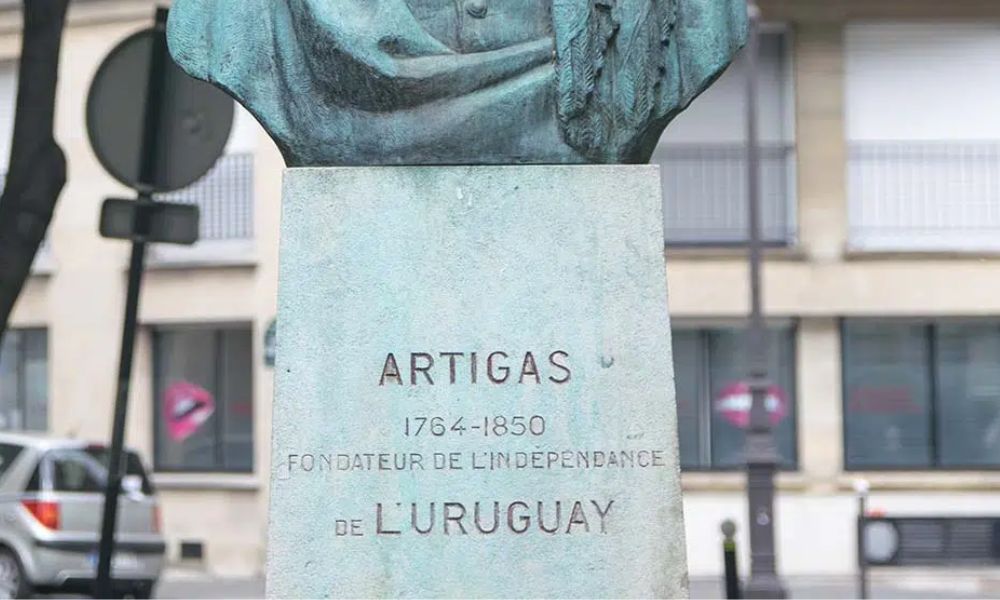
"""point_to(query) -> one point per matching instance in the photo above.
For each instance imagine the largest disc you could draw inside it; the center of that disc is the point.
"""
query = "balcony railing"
(705, 194)
(225, 198)
(924, 196)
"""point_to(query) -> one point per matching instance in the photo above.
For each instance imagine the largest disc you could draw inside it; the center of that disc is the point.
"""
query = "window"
(713, 400)
(74, 471)
(8, 454)
(133, 465)
(702, 156)
(204, 399)
(24, 374)
(225, 200)
(224, 197)
(80, 470)
(921, 394)
(924, 154)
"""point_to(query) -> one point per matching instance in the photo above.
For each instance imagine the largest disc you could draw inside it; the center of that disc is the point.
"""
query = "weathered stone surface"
(362, 82)
(564, 263)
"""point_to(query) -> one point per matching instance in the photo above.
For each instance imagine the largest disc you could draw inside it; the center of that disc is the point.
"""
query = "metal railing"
(705, 194)
(225, 198)
(924, 196)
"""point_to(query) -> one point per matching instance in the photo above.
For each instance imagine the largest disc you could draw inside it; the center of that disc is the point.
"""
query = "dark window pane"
(690, 387)
(731, 399)
(24, 380)
(237, 430)
(713, 398)
(204, 395)
(35, 483)
(968, 393)
(8, 454)
(185, 361)
(887, 390)
(76, 472)
(133, 465)
(35, 371)
(10, 381)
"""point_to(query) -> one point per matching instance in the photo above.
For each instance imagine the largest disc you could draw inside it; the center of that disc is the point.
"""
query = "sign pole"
(761, 452)
(861, 488)
(154, 93)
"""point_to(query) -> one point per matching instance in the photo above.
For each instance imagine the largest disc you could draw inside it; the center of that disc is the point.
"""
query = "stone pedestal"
(474, 386)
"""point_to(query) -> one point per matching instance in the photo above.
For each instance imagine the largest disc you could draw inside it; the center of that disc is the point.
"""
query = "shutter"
(924, 135)
(923, 82)
(702, 156)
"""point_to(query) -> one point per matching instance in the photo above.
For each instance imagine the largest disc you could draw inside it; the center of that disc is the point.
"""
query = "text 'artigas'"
(498, 367)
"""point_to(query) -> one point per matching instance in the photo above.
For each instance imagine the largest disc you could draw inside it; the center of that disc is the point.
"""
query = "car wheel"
(13, 583)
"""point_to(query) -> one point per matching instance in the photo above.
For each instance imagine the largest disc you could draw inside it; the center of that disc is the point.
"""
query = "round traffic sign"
(735, 401)
(194, 124)
(881, 541)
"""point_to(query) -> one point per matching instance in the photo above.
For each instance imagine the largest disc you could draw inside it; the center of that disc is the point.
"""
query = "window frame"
(217, 329)
(930, 326)
(702, 328)
(789, 147)
(920, 220)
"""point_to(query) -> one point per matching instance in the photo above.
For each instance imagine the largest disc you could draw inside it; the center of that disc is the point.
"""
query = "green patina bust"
(387, 82)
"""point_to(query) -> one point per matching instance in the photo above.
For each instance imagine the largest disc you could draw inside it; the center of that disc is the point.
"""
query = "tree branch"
(37, 171)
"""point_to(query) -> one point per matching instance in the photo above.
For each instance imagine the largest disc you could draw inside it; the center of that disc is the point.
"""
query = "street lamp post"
(761, 452)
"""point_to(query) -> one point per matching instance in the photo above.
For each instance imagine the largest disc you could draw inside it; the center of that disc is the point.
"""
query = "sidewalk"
(884, 585)
(185, 584)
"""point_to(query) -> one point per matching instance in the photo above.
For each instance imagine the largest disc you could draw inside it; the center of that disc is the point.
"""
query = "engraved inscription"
(493, 517)
(481, 440)
(500, 367)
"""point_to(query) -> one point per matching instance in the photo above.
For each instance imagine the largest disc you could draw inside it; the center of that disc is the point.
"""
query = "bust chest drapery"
(367, 82)
(483, 25)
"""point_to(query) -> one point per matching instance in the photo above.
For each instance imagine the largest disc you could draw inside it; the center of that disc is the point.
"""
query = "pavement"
(209, 587)
(884, 584)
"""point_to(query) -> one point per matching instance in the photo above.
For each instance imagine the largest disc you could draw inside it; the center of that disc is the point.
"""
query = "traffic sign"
(735, 401)
(195, 118)
(162, 222)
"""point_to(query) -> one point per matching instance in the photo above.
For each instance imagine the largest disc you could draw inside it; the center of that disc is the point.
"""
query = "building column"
(822, 145)
(820, 403)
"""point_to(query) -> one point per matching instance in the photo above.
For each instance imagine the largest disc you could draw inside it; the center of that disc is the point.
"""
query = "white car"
(51, 501)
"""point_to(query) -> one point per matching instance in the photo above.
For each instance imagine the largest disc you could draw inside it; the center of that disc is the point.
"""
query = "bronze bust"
(363, 82)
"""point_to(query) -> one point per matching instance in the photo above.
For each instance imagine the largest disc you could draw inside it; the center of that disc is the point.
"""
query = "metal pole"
(147, 172)
(731, 568)
(761, 452)
(861, 487)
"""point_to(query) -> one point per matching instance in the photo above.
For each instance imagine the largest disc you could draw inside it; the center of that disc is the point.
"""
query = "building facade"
(881, 187)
